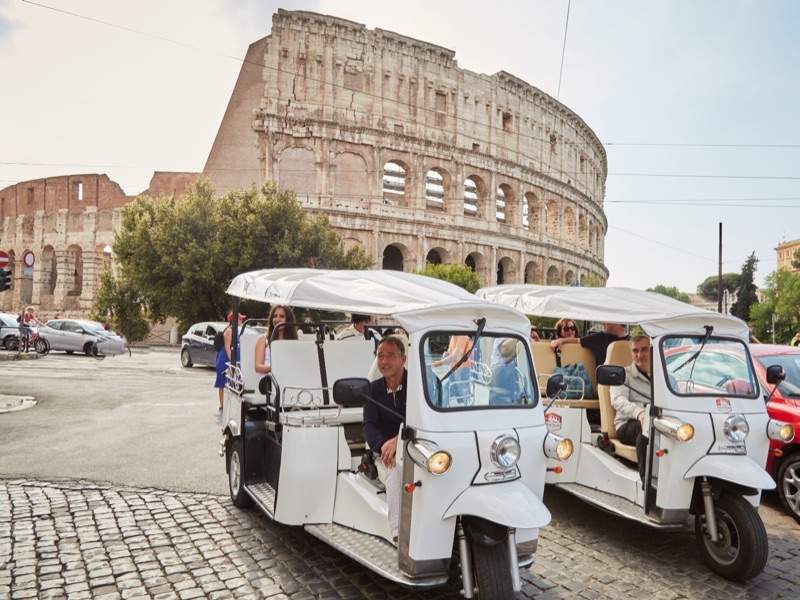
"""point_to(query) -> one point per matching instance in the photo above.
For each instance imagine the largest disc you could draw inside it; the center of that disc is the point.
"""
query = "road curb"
(17, 356)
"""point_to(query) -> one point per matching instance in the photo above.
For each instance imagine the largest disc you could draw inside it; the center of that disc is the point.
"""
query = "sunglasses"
(569, 328)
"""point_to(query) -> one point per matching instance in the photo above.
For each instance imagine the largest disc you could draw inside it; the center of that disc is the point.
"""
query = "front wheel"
(42, 346)
(186, 358)
(236, 476)
(491, 567)
(789, 485)
(741, 550)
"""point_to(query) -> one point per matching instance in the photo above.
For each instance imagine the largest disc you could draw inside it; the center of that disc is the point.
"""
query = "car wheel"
(70, 351)
(186, 358)
(87, 348)
(789, 484)
(11, 342)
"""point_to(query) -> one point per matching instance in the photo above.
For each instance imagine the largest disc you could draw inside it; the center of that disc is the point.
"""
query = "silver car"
(197, 346)
(9, 331)
(78, 335)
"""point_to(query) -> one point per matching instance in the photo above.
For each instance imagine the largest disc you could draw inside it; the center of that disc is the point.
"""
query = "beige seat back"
(544, 360)
(618, 353)
(575, 353)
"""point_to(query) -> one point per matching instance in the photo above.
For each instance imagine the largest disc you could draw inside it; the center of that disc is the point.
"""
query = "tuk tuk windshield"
(496, 373)
(700, 366)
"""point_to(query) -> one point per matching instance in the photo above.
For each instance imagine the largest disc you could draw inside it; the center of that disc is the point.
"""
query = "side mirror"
(555, 385)
(775, 374)
(348, 392)
(610, 375)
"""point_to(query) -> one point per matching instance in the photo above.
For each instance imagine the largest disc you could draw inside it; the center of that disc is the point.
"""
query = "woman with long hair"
(281, 327)
(566, 328)
(224, 357)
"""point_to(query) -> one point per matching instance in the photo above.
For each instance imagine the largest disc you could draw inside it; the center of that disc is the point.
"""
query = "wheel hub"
(726, 548)
(791, 487)
(235, 472)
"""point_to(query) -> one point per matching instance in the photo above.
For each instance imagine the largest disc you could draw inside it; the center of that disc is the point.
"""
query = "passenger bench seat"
(618, 353)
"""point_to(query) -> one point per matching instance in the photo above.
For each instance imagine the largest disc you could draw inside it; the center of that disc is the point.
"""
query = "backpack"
(219, 340)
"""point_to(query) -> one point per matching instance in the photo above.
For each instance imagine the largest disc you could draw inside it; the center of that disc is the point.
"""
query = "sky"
(657, 81)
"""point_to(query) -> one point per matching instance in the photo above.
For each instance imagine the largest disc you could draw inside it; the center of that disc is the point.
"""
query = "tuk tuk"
(705, 419)
(473, 446)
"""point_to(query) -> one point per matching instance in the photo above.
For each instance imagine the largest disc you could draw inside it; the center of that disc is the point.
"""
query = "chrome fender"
(734, 468)
(511, 504)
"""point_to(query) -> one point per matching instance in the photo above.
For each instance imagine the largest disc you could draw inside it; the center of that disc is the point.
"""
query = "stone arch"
(395, 257)
(438, 185)
(474, 195)
(477, 262)
(48, 273)
(552, 217)
(437, 256)
(583, 231)
(297, 170)
(74, 270)
(395, 183)
(504, 204)
(533, 272)
(553, 275)
(569, 277)
(534, 216)
(351, 177)
(569, 223)
(506, 271)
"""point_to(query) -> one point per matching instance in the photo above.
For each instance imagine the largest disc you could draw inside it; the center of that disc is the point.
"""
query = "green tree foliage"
(117, 303)
(591, 280)
(746, 294)
(460, 275)
(796, 260)
(670, 291)
(708, 289)
(181, 253)
(781, 297)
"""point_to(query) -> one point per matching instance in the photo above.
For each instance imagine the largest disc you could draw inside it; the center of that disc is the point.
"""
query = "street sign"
(28, 258)
(4, 259)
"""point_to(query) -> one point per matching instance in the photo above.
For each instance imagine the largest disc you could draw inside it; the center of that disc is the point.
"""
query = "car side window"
(198, 331)
(55, 325)
(210, 331)
(72, 327)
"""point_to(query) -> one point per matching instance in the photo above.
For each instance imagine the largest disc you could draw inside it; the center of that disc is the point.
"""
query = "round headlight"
(505, 451)
(564, 449)
(780, 431)
(439, 462)
(736, 428)
(685, 432)
(786, 432)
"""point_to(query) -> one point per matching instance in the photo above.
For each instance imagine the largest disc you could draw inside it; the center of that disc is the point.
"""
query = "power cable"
(563, 51)
(699, 145)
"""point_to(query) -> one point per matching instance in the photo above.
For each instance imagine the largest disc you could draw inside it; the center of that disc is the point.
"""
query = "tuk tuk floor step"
(616, 505)
(373, 552)
(263, 495)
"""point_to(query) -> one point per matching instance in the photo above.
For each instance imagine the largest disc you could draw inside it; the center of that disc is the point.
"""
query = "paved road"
(145, 423)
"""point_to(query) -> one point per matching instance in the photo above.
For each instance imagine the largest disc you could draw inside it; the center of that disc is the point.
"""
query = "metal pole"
(719, 277)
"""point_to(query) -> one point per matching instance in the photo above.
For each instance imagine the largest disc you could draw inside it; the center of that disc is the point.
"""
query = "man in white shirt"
(356, 327)
(630, 400)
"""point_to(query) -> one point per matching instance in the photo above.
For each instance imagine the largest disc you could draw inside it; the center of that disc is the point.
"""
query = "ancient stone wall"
(414, 158)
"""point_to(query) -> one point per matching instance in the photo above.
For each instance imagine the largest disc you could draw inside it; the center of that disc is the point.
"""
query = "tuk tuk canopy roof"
(657, 314)
(419, 299)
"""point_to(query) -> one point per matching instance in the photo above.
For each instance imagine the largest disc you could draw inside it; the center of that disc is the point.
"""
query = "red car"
(783, 462)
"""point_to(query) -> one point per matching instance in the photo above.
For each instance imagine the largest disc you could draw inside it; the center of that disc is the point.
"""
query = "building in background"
(785, 251)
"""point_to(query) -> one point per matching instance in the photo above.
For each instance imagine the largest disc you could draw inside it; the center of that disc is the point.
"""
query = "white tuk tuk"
(706, 422)
(474, 443)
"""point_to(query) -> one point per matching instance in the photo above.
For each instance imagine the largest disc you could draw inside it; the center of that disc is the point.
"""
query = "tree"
(180, 254)
(118, 304)
(796, 259)
(708, 289)
(781, 298)
(671, 291)
(746, 294)
(591, 280)
(460, 275)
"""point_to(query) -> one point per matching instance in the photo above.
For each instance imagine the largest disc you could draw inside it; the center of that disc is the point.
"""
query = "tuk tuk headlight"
(439, 462)
(505, 451)
(557, 447)
(736, 428)
(780, 431)
(429, 456)
(683, 432)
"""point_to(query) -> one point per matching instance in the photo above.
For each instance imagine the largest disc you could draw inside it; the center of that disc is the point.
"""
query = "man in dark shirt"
(598, 342)
(382, 427)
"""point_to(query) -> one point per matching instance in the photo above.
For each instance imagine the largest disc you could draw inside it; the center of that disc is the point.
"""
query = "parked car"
(78, 335)
(9, 331)
(783, 461)
(197, 346)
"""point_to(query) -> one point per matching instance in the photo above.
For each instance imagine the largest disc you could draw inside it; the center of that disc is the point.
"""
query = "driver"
(630, 400)
(382, 427)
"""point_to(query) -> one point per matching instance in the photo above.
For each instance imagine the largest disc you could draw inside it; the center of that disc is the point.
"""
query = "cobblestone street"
(79, 539)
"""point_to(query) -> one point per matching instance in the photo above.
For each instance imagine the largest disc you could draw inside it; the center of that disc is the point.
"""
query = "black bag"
(219, 340)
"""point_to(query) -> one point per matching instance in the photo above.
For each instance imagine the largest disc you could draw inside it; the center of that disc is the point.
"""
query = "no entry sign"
(3, 259)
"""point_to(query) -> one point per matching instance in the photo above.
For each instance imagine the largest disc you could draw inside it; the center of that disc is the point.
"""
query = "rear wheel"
(186, 358)
(11, 342)
(236, 476)
(789, 484)
(491, 567)
(741, 551)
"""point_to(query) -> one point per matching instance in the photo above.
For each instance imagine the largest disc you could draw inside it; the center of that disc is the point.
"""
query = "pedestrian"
(224, 357)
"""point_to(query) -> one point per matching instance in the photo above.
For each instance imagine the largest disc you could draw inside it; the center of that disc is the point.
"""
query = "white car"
(77, 335)
(9, 331)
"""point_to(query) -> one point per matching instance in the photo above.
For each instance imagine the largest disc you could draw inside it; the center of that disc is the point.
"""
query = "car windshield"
(497, 372)
(697, 366)
(789, 387)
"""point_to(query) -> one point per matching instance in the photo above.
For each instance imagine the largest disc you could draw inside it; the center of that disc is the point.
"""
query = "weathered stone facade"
(414, 158)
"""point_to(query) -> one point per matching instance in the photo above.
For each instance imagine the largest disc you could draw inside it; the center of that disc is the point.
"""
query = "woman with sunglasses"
(565, 328)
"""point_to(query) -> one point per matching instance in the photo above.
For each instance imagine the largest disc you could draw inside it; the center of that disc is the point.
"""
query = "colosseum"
(414, 158)
(411, 157)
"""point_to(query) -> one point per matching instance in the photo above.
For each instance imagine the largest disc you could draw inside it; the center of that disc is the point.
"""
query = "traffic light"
(5, 280)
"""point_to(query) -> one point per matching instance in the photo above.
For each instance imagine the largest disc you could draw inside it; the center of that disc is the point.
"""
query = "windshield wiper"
(709, 330)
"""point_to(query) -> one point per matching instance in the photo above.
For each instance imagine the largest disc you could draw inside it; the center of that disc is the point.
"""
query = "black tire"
(742, 551)
(70, 351)
(492, 576)
(87, 348)
(788, 480)
(42, 346)
(186, 359)
(235, 484)
(11, 342)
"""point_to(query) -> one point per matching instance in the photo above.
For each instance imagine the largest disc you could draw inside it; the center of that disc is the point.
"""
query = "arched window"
(505, 271)
(552, 218)
(553, 276)
(500, 204)
(533, 273)
(474, 191)
(434, 189)
(393, 259)
(569, 224)
(394, 183)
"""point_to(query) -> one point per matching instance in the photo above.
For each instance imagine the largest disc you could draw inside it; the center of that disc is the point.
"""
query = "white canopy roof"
(655, 313)
(381, 293)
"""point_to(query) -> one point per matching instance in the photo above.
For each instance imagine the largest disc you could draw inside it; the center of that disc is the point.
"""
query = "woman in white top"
(277, 316)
